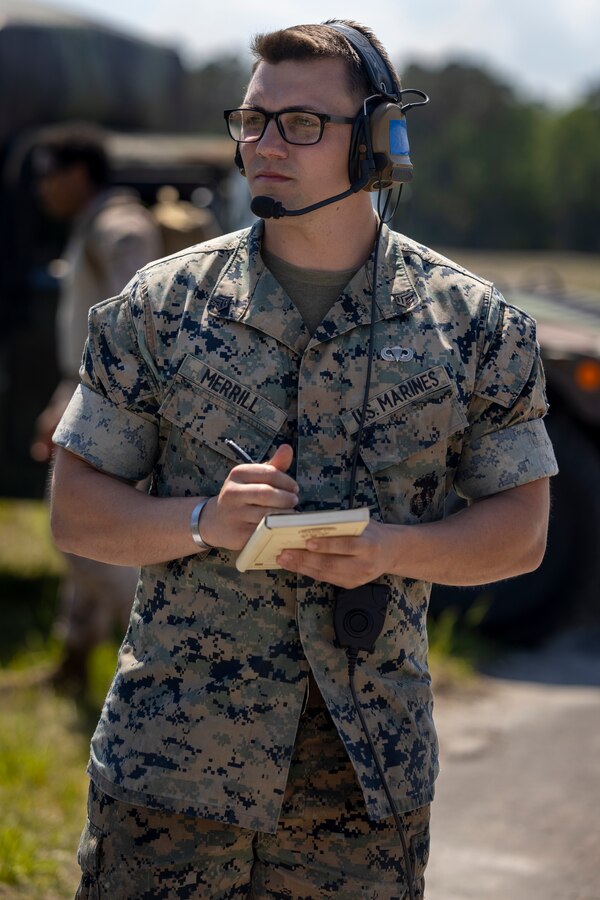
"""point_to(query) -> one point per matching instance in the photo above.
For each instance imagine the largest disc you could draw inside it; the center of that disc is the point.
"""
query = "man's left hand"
(495, 537)
(344, 561)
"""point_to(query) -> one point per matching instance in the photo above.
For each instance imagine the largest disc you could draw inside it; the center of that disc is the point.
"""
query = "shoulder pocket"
(421, 426)
(407, 418)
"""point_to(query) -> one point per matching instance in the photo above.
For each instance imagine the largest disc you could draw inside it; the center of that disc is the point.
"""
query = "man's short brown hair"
(305, 42)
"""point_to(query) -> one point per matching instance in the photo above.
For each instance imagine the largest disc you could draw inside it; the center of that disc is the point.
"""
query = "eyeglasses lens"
(247, 125)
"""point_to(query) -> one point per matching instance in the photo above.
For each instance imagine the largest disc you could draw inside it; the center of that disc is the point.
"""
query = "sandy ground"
(517, 808)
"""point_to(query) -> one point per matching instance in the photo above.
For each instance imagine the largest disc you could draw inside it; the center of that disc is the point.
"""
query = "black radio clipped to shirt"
(359, 614)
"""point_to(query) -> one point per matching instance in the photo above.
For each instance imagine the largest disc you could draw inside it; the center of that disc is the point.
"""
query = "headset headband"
(382, 80)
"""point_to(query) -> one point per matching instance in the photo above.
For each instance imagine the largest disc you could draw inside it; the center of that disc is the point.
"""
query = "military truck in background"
(56, 67)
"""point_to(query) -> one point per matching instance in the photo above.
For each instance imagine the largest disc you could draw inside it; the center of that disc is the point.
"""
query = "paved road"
(517, 809)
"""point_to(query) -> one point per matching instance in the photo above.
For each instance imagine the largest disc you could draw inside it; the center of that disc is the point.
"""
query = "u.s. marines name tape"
(393, 398)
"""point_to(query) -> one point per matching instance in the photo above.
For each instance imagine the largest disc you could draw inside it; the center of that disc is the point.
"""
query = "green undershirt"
(312, 291)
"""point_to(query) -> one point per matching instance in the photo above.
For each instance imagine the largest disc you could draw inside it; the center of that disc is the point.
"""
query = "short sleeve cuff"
(111, 438)
(505, 459)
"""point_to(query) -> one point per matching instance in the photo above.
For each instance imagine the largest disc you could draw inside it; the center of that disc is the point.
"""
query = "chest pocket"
(206, 406)
(405, 443)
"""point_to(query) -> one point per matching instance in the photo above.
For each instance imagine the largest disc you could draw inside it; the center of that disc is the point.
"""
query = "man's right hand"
(100, 516)
(250, 491)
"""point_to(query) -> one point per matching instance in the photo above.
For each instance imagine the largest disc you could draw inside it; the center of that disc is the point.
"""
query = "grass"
(43, 751)
(26, 549)
(44, 744)
(456, 648)
(44, 736)
(30, 569)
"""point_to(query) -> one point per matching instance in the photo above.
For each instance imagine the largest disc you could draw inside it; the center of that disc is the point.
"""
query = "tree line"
(492, 170)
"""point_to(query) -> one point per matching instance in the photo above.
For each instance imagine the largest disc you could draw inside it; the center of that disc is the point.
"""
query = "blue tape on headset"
(398, 138)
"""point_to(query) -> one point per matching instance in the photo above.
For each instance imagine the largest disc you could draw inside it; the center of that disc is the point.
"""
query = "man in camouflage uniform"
(213, 775)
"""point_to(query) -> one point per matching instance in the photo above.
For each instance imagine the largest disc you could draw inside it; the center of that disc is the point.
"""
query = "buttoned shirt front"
(204, 346)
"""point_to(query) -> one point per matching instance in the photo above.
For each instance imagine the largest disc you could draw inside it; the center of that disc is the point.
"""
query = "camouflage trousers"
(324, 845)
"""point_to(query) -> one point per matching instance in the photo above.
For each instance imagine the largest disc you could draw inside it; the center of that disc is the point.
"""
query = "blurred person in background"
(112, 235)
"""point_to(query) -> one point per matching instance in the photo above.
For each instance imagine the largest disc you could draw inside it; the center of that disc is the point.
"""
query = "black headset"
(379, 142)
(379, 151)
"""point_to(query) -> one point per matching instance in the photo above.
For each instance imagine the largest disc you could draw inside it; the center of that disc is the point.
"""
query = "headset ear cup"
(379, 147)
(360, 155)
(361, 161)
(389, 144)
(238, 160)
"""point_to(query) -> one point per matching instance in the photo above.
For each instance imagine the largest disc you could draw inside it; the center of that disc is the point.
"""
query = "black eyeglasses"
(296, 126)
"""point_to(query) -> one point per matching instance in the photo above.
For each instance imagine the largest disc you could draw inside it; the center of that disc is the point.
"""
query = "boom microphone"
(268, 208)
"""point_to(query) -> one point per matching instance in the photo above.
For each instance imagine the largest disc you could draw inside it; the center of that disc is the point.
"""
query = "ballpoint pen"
(241, 454)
